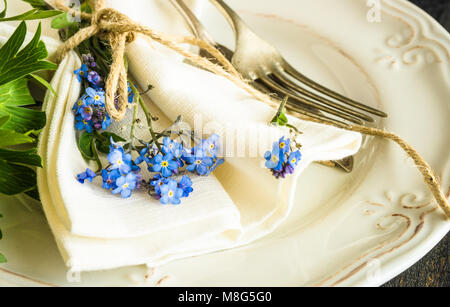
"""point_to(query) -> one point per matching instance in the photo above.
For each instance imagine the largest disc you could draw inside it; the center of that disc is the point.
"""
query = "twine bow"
(119, 30)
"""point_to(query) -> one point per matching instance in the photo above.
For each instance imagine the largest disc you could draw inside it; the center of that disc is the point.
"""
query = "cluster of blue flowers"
(202, 159)
(282, 161)
(165, 161)
(123, 175)
(90, 111)
(169, 190)
(169, 160)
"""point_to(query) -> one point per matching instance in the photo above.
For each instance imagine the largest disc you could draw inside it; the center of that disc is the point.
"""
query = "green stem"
(148, 115)
(294, 128)
(133, 125)
(98, 136)
(99, 172)
(282, 106)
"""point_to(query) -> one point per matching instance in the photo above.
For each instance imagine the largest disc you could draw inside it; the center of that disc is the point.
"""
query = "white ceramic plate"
(346, 230)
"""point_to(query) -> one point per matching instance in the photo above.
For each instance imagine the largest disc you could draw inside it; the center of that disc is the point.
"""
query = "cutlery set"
(268, 71)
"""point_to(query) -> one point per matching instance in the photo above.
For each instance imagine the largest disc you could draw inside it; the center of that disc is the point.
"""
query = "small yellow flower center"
(170, 193)
(294, 160)
(126, 185)
(82, 73)
(165, 164)
(171, 146)
(84, 122)
(282, 145)
(274, 159)
(88, 110)
(97, 97)
(198, 162)
(80, 102)
(119, 162)
(211, 146)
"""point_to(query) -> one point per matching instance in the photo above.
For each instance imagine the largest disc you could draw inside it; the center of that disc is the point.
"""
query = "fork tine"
(223, 49)
(302, 78)
(273, 85)
(304, 110)
(283, 80)
(319, 116)
(263, 88)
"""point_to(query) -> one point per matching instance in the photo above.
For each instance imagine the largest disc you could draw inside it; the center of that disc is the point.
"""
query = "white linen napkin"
(95, 230)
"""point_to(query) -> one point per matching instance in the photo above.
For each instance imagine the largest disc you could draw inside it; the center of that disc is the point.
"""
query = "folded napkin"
(96, 230)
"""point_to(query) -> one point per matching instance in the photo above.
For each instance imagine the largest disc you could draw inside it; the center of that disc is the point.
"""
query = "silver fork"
(260, 62)
(239, 62)
(256, 59)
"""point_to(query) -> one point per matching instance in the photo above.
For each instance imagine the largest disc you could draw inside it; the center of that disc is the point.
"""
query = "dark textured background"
(433, 270)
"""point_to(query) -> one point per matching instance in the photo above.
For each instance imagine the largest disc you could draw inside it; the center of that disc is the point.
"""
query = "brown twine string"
(119, 29)
(425, 169)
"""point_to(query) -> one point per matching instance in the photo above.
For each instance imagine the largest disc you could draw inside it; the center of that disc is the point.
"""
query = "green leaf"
(103, 141)
(37, 4)
(34, 193)
(29, 157)
(15, 179)
(85, 145)
(15, 64)
(33, 14)
(45, 83)
(11, 138)
(3, 13)
(12, 46)
(17, 122)
(63, 21)
(280, 118)
(19, 17)
(13, 96)
(4, 120)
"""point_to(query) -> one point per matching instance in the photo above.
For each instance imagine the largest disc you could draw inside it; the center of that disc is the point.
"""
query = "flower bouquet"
(146, 158)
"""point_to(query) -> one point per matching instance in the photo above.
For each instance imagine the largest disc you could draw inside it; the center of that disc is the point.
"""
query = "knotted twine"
(119, 30)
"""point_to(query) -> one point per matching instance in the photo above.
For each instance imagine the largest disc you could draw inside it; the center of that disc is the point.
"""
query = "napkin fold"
(263, 201)
(95, 230)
